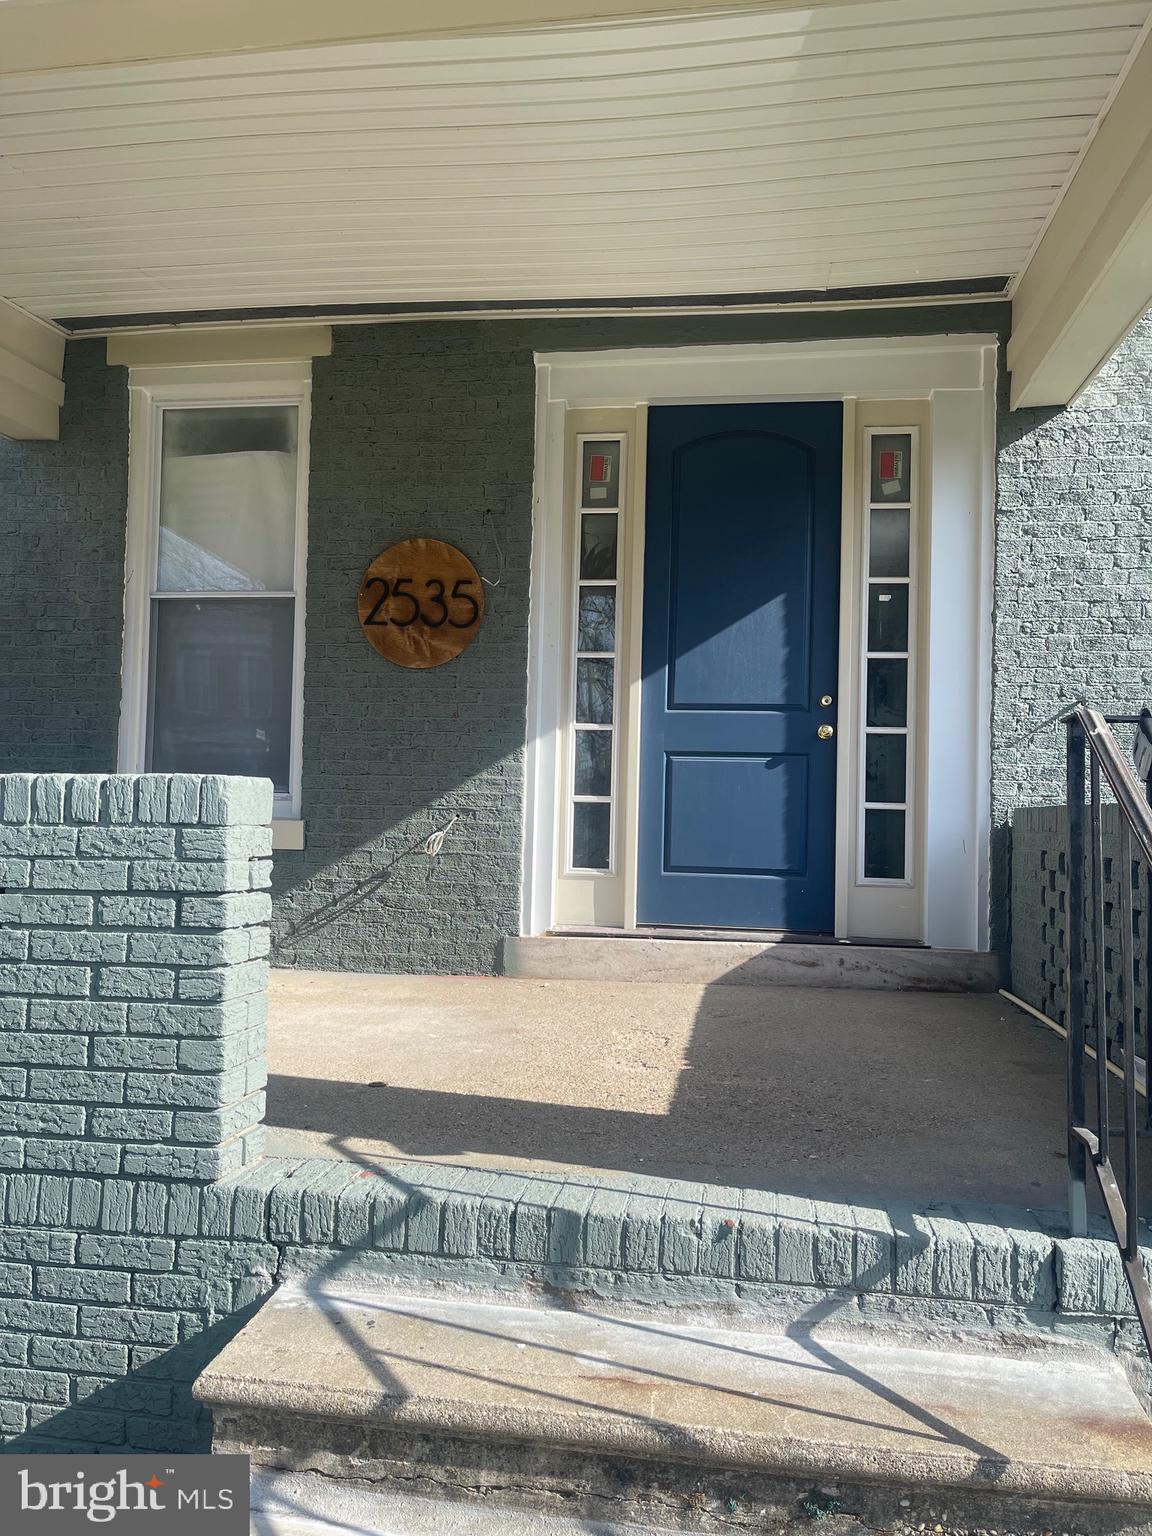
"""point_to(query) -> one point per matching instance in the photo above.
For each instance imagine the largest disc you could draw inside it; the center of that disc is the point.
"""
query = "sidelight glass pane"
(598, 531)
(594, 692)
(600, 474)
(227, 499)
(885, 768)
(593, 763)
(884, 845)
(887, 693)
(888, 553)
(222, 687)
(597, 630)
(887, 618)
(892, 466)
(591, 832)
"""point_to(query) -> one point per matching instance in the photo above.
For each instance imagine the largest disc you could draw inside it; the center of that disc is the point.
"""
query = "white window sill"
(287, 834)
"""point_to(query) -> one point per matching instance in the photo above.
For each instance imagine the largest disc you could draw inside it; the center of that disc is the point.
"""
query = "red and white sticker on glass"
(891, 470)
(600, 470)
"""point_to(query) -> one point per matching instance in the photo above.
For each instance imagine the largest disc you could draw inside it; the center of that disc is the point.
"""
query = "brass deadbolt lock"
(826, 700)
(826, 732)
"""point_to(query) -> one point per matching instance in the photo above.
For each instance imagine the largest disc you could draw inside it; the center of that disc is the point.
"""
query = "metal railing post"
(1131, 1244)
(1077, 1152)
(1090, 736)
(1099, 973)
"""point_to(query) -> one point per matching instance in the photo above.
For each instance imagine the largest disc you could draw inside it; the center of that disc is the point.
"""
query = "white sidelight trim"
(949, 384)
(150, 392)
(545, 652)
(958, 823)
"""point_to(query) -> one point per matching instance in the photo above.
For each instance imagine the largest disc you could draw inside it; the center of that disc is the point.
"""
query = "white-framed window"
(214, 575)
(888, 684)
(593, 761)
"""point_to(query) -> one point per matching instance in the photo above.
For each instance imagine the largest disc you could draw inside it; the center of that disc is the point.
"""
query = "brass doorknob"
(826, 732)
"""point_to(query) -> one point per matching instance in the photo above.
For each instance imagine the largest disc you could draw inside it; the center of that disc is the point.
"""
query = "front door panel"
(741, 595)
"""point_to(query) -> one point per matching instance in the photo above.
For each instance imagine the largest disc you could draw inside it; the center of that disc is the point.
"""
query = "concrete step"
(658, 1419)
(304, 1504)
(736, 962)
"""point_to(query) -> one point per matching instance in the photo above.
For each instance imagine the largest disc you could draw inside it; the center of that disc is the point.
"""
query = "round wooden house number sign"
(421, 603)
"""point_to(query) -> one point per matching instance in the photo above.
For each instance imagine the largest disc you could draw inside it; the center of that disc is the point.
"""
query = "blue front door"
(741, 595)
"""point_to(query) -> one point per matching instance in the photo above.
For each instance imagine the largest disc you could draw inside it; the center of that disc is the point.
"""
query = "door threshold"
(730, 936)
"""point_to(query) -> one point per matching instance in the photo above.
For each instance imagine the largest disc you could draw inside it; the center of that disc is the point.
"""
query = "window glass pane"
(598, 546)
(892, 467)
(594, 692)
(889, 547)
(887, 618)
(600, 475)
(885, 775)
(887, 702)
(222, 687)
(593, 762)
(591, 829)
(884, 845)
(597, 619)
(227, 499)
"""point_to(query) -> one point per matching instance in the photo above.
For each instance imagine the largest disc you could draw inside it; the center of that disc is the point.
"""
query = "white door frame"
(957, 376)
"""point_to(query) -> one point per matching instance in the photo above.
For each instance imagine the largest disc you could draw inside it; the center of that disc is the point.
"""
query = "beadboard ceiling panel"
(895, 142)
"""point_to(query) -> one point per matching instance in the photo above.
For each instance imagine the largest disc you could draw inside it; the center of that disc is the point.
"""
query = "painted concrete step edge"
(801, 1404)
(630, 1237)
(569, 957)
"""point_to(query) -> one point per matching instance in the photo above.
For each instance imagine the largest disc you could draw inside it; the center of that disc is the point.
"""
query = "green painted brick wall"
(1073, 588)
(126, 1049)
(62, 511)
(116, 1293)
(427, 427)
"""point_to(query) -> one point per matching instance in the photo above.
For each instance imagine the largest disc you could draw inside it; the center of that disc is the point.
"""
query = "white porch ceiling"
(790, 149)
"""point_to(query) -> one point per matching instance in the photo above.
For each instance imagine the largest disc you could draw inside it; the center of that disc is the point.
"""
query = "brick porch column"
(133, 942)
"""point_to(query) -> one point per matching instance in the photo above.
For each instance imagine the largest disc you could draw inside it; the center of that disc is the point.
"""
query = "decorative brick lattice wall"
(1040, 919)
(1040, 908)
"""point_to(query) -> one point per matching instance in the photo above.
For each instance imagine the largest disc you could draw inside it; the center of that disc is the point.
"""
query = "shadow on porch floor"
(828, 1094)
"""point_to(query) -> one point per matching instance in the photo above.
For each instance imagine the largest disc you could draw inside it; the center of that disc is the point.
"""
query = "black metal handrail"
(1092, 744)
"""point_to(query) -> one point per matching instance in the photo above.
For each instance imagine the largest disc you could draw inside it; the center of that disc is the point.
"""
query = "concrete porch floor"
(829, 1094)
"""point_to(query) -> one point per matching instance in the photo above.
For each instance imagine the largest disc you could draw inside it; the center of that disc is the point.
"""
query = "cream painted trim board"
(184, 347)
(149, 391)
(31, 375)
(1089, 279)
(959, 373)
(287, 834)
